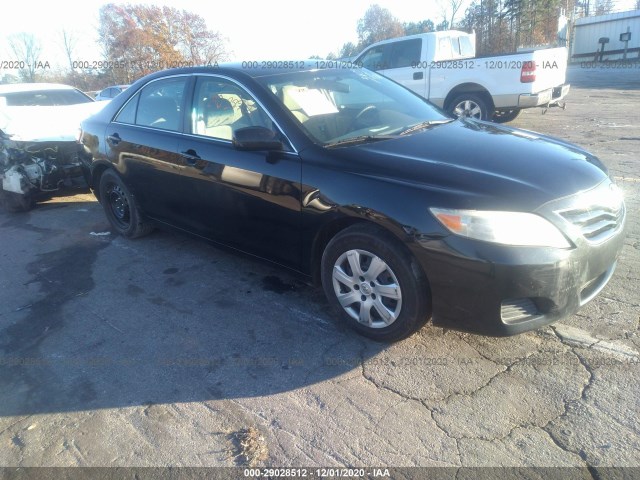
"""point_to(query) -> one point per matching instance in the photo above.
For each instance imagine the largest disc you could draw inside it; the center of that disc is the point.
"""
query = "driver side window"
(220, 107)
(375, 58)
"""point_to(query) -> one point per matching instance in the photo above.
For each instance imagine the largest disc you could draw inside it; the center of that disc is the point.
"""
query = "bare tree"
(604, 6)
(27, 49)
(69, 42)
(449, 10)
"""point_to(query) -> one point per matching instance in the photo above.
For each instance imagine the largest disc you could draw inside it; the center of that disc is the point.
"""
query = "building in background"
(606, 37)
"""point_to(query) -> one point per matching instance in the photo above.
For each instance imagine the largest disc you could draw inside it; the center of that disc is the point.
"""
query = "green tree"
(377, 24)
(349, 49)
(414, 28)
(504, 25)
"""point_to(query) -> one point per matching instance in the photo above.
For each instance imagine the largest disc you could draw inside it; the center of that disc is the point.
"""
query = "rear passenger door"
(142, 142)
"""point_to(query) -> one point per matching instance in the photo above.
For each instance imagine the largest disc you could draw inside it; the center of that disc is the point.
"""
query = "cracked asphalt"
(161, 351)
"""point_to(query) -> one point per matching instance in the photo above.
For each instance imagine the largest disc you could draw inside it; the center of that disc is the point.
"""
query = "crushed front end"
(36, 170)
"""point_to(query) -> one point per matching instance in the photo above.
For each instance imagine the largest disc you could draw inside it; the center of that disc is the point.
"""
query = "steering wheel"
(366, 116)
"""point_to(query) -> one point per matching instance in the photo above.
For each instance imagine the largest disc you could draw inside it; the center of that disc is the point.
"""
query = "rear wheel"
(374, 284)
(120, 207)
(504, 116)
(470, 105)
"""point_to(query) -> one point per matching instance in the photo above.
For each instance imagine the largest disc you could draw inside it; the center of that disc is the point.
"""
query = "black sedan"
(401, 212)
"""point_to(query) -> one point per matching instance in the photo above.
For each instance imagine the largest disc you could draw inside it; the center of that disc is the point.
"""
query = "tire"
(16, 202)
(378, 310)
(470, 105)
(120, 207)
(504, 116)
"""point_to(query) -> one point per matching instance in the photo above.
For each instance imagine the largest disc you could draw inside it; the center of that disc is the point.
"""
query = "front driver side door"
(249, 200)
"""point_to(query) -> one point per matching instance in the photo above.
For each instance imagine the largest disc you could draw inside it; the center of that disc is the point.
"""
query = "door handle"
(418, 75)
(191, 156)
(114, 139)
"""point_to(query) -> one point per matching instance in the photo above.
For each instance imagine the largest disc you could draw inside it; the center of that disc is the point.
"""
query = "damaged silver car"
(39, 152)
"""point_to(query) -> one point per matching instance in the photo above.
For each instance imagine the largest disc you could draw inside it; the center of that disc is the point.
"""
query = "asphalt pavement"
(166, 351)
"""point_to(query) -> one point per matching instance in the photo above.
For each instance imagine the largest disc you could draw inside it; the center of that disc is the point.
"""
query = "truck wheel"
(504, 116)
(374, 284)
(120, 207)
(470, 105)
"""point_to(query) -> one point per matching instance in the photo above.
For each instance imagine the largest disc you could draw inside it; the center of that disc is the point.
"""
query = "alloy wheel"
(367, 288)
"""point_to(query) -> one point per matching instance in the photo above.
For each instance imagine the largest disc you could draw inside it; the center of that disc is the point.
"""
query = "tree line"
(138, 39)
(501, 26)
(134, 39)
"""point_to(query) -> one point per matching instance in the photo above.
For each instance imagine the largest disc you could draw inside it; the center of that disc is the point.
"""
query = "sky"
(277, 29)
(273, 30)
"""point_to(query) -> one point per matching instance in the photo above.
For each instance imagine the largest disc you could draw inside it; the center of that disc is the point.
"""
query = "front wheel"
(120, 207)
(470, 105)
(374, 284)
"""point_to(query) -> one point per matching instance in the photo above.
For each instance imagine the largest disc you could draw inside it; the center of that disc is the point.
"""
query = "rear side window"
(128, 113)
(405, 53)
(444, 48)
(158, 105)
(466, 48)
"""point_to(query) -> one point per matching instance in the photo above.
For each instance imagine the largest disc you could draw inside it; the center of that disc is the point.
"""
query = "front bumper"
(501, 290)
(546, 97)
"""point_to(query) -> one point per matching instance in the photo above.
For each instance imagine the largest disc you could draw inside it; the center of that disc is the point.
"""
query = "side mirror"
(256, 138)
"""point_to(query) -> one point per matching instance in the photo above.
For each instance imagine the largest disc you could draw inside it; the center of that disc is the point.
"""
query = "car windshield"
(45, 98)
(351, 106)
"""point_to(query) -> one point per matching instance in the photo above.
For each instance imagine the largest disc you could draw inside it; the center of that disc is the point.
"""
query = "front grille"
(598, 222)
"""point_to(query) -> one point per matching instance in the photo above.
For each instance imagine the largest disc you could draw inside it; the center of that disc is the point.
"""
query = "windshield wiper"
(423, 125)
(360, 139)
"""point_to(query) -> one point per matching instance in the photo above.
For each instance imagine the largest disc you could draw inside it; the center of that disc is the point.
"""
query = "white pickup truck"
(442, 67)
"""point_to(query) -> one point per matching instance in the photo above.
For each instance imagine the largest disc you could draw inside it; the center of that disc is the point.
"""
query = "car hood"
(46, 123)
(480, 165)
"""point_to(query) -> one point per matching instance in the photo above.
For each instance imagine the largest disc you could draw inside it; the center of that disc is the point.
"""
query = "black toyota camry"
(401, 213)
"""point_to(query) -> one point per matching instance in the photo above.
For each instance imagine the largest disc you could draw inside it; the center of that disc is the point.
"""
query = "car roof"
(257, 69)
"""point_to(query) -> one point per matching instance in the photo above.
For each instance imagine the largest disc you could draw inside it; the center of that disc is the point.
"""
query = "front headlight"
(508, 228)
